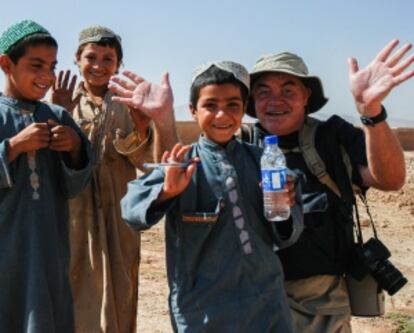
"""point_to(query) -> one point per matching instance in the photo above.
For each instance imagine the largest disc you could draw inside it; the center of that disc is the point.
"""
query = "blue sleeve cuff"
(5, 174)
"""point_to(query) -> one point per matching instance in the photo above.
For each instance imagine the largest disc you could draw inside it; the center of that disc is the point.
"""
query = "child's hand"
(290, 188)
(62, 91)
(176, 178)
(151, 99)
(63, 138)
(33, 137)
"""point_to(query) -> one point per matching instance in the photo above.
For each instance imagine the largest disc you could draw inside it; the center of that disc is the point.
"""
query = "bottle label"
(273, 180)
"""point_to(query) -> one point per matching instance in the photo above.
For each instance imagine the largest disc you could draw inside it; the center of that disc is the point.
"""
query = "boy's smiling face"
(219, 111)
(33, 74)
(97, 64)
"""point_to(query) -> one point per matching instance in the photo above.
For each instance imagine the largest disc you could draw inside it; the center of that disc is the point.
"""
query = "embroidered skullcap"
(17, 32)
(239, 71)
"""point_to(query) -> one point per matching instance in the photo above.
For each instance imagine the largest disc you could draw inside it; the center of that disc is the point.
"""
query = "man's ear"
(5, 63)
(308, 94)
(193, 111)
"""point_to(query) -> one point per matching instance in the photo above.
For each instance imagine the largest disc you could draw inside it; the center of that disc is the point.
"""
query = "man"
(283, 95)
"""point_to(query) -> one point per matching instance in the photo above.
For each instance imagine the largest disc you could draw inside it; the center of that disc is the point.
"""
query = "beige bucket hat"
(292, 64)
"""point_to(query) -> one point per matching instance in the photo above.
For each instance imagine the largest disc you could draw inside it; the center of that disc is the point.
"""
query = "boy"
(44, 159)
(105, 252)
(222, 272)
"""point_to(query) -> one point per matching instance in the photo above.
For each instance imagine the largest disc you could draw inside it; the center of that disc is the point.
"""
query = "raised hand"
(373, 83)
(62, 91)
(153, 100)
(176, 178)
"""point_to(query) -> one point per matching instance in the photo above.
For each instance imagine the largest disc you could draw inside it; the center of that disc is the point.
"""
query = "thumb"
(52, 122)
(165, 80)
(73, 104)
(352, 66)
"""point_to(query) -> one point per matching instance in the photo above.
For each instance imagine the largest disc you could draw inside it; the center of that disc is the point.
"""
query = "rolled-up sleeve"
(137, 150)
(137, 204)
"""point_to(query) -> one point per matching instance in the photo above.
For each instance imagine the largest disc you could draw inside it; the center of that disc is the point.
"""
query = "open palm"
(62, 91)
(150, 98)
(373, 83)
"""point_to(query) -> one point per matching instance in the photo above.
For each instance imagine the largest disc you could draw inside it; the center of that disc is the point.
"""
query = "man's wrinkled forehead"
(277, 79)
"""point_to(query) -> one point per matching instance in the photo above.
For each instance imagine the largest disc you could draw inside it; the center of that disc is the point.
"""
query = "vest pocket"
(200, 254)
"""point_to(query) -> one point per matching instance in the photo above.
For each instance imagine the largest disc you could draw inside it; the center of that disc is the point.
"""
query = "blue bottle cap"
(271, 140)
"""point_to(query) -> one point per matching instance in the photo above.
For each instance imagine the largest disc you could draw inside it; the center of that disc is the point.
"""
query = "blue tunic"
(222, 271)
(34, 246)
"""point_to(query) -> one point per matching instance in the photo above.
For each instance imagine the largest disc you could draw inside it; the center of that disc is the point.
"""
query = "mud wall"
(189, 131)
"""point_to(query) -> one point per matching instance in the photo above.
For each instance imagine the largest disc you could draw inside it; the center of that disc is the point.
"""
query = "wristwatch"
(371, 121)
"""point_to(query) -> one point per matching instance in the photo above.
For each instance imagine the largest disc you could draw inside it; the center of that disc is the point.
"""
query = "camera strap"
(357, 223)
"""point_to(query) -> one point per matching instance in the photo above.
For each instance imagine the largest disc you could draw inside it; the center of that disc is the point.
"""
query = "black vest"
(326, 243)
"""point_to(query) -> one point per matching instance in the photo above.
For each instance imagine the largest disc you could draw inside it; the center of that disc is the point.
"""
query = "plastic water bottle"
(273, 167)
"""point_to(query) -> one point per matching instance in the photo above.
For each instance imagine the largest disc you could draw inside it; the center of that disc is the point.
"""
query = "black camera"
(372, 257)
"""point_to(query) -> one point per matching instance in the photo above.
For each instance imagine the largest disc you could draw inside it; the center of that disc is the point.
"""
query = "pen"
(165, 164)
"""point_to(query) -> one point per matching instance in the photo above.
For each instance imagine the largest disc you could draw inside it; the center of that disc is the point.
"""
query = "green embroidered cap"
(95, 34)
(17, 32)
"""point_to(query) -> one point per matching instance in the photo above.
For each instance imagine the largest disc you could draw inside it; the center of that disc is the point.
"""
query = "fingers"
(58, 82)
(174, 152)
(63, 138)
(398, 55)
(290, 188)
(386, 51)
(52, 122)
(165, 156)
(123, 83)
(125, 100)
(403, 77)
(182, 152)
(73, 104)
(189, 171)
(59, 145)
(352, 66)
(398, 69)
(73, 82)
(66, 79)
(133, 77)
(122, 92)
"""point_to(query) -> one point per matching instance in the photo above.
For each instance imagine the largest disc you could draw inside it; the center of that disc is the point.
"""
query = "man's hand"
(373, 83)
(62, 91)
(151, 99)
(290, 188)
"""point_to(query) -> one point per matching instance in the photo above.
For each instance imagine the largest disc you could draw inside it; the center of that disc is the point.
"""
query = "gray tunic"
(222, 271)
(34, 251)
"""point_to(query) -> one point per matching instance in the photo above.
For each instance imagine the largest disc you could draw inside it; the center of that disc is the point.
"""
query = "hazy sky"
(176, 36)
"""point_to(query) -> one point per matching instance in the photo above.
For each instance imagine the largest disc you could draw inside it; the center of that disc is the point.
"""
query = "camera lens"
(388, 277)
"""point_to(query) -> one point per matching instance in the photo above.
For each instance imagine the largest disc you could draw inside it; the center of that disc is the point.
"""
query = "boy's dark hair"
(110, 42)
(18, 50)
(215, 75)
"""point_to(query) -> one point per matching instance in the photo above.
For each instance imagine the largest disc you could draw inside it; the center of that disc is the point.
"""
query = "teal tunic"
(222, 271)
(34, 250)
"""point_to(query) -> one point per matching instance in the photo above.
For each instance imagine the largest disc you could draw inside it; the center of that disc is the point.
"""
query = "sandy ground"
(394, 216)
